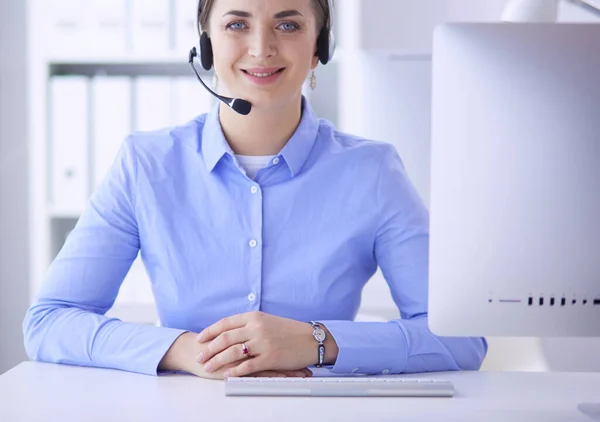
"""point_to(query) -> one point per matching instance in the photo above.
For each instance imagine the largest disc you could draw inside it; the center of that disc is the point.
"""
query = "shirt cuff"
(368, 347)
(157, 341)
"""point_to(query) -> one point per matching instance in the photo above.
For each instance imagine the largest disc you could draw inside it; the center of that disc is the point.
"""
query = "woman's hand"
(182, 354)
(221, 373)
(273, 343)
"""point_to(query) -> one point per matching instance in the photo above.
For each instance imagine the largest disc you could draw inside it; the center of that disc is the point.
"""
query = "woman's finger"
(228, 356)
(297, 374)
(224, 325)
(269, 374)
(221, 343)
(307, 372)
(249, 366)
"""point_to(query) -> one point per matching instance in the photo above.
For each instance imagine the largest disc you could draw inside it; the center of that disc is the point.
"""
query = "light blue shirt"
(300, 241)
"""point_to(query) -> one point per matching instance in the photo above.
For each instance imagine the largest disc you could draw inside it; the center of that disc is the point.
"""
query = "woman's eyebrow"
(238, 13)
(279, 15)
(287, 14)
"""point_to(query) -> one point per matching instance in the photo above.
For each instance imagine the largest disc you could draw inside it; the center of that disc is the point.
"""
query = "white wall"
(13, 182)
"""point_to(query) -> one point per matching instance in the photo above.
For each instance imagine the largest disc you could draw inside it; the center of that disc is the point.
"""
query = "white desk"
(47, 392)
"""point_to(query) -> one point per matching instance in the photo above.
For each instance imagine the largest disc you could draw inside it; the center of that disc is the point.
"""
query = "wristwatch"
(319, 335)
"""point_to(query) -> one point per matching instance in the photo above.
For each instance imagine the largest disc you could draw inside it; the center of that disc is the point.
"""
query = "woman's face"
(263, 49)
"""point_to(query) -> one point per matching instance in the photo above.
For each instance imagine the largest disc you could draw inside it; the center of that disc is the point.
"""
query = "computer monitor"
(515, 180)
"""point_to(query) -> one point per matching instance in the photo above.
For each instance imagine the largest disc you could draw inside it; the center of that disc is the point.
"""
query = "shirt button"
(385, 371)
(253, 243)
(251, 297)
(253, 189)
(275, 160)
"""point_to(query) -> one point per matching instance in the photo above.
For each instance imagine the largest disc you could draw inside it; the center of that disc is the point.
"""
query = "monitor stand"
(591, 410)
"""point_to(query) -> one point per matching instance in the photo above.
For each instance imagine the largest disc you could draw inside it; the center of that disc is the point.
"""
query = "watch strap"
(321, 348)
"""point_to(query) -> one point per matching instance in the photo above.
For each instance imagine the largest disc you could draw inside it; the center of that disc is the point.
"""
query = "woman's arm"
(67, 322)
(402, 252)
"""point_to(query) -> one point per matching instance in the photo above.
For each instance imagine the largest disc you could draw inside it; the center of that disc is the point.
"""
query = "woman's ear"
(315, 62)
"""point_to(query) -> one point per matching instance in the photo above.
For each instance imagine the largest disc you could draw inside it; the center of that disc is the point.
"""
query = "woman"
(250, 228)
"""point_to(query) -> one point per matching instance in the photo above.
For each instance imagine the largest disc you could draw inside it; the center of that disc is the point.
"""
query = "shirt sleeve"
(66, 322)
(402, 252)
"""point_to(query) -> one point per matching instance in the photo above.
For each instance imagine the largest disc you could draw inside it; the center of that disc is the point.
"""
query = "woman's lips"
(263, 75)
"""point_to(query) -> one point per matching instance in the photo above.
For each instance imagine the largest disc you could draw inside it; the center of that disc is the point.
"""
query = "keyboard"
(338, 387)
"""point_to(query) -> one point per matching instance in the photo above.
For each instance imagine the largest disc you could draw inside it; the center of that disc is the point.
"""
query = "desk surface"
(38, 391)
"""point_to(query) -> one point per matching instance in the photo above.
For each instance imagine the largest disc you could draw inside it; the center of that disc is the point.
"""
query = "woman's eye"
(288, 26)
(236, 26)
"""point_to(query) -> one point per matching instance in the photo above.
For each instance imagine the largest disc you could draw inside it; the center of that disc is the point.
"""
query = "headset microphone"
(237, 104)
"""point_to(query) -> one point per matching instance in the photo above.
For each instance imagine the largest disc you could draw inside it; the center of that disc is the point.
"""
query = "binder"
(107, 27)
(189, 100)
(186, 35)
(65, 27)
(69, 129)
(111, 121)
(150, 27)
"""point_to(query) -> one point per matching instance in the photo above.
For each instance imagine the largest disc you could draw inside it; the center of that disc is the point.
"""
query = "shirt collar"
(295, 152)
(214, 144)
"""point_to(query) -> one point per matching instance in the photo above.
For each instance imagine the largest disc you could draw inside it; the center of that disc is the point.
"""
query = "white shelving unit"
(137, 38)
(124, 39)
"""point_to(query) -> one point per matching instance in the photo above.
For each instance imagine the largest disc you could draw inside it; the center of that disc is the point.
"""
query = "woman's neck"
(260, 132)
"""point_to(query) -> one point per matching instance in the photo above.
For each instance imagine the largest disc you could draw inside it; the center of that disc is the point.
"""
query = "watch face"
(319, 334)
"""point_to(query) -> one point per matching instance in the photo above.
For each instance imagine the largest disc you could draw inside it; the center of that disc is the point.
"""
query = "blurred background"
(77, 76)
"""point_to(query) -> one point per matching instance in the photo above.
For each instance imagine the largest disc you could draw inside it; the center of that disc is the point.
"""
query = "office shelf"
(112, 68)
(62, 214)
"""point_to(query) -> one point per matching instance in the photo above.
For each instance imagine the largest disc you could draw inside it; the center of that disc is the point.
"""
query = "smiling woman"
(264, 54)
(258, 231)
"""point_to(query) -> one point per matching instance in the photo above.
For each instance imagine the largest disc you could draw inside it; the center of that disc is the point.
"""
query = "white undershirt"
(253, 163)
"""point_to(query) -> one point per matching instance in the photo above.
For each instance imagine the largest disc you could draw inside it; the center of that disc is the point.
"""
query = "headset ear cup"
(323, 45)
(206, 53)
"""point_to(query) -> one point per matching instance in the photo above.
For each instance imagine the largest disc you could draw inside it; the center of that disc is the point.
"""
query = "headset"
(325, 51)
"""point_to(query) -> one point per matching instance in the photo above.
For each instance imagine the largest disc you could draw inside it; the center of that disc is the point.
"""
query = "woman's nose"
(262, 44)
